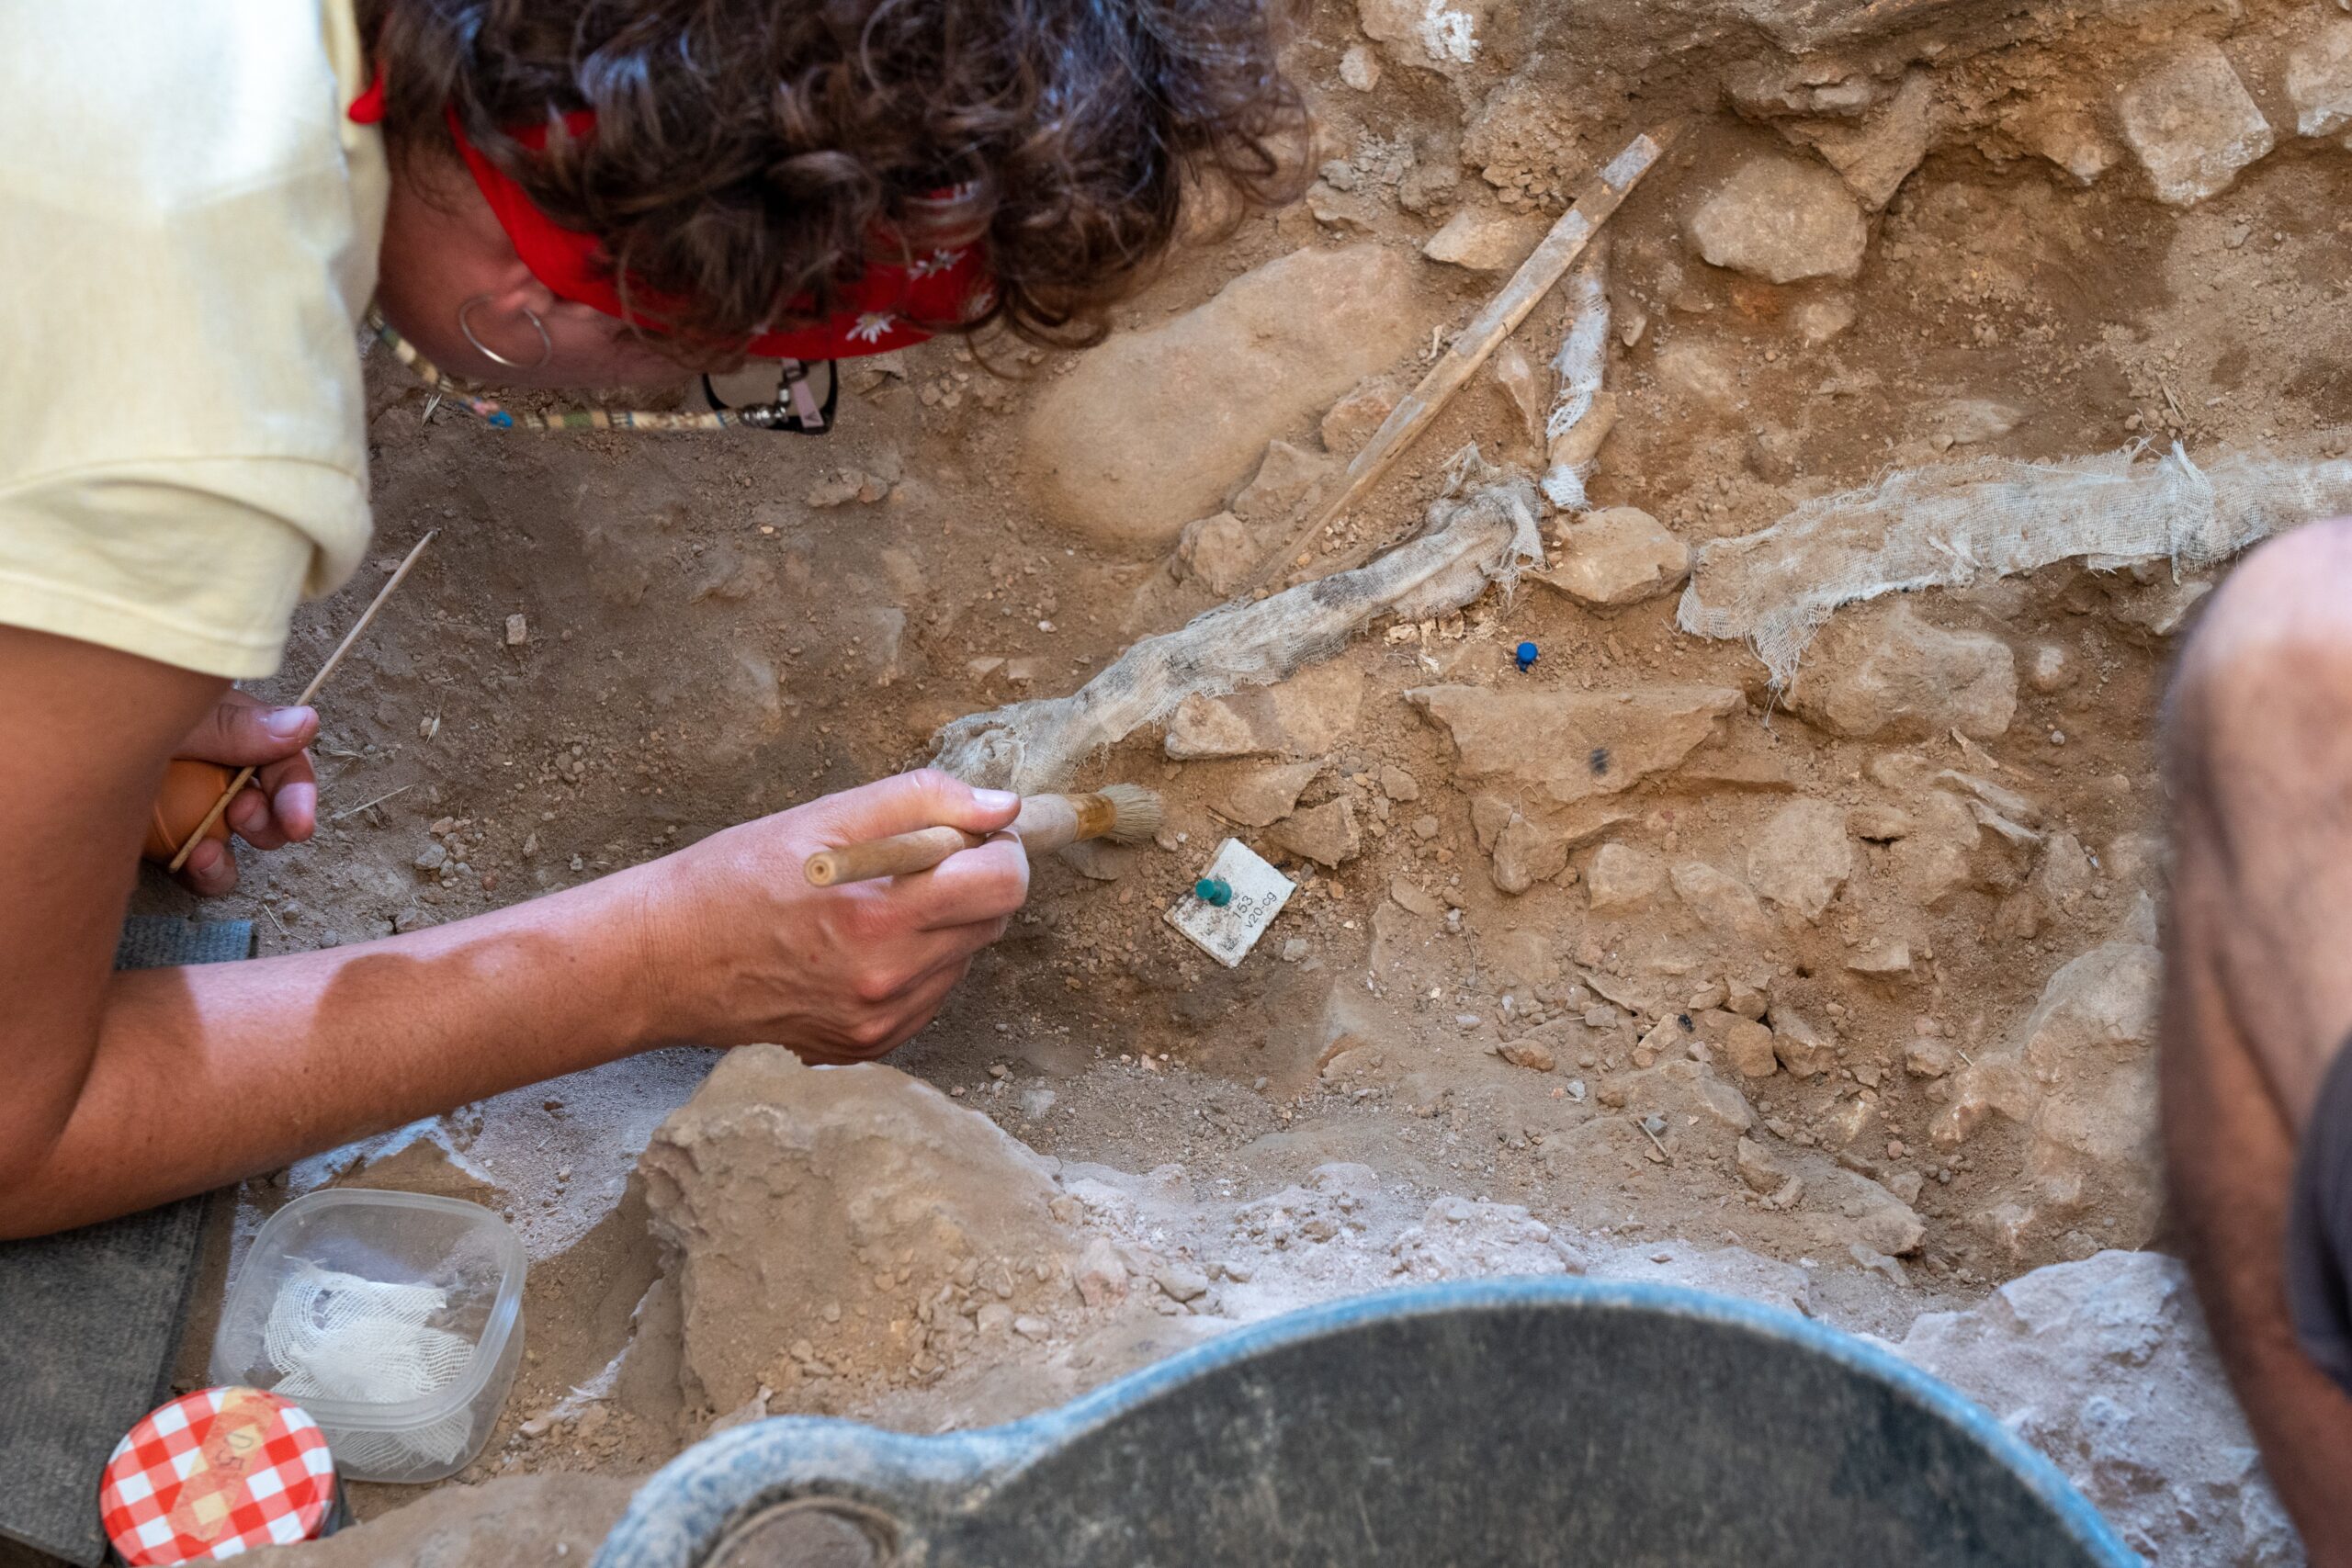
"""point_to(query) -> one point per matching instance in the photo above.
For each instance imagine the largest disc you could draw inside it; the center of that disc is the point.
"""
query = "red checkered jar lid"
(215, 1474)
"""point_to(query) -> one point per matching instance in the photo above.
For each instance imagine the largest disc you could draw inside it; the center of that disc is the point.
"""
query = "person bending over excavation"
(198, 204)
(2258, 1010)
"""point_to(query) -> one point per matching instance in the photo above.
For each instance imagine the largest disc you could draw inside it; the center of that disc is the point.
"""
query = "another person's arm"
(2258, 746)
(128, 1088)
(2229, 1158)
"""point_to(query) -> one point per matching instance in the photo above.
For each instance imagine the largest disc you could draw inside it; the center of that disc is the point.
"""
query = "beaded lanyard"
(794, 408)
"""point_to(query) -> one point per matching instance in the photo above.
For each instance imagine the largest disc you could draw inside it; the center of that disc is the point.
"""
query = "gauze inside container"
(337, 1336)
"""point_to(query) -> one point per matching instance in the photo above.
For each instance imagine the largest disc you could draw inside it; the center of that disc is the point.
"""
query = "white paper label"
(1259, 893)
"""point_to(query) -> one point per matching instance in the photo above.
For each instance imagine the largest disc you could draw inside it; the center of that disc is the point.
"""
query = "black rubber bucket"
(1512, 1422)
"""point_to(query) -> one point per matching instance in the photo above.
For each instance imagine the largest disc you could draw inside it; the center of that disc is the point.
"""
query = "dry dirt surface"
(1839, 995)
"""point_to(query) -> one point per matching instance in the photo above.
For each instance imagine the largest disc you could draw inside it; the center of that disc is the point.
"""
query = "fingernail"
(286, 724)
(995, 799)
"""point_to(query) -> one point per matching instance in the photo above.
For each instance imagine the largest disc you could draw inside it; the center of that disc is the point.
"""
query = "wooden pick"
(245, 775)
(1594, 200)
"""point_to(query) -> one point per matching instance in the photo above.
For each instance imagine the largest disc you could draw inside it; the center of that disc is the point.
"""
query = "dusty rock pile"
(848, 1241)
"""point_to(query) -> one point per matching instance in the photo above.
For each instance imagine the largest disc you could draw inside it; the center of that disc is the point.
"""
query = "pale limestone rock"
(1264, 796)
(1348, 423)
(2319, 80)
(1882, 960)
(1878, 153)
(1325, 834)
(773, 1185)
(1747, 1046)
(1618, 554)
(1798, 1045)
(1220, 551)
(2068, 135)
(1725, 904)
(1623, 878)
(1818, 321)
(2106, 1366)
(1481, 240)
(2191, 124)
(1758, 1167)
(1287, 478)
(560, 1517)
(2080, 1078)
(1145, 434)
(1800, 857)
(1781, 218)
(1574, 745)
(1885, 672)
(1304, 716)
(1526, 853)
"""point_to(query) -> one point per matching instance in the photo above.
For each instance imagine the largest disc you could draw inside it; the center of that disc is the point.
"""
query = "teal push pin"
(1213, 891)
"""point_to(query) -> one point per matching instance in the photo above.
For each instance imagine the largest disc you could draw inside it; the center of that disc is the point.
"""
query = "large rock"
(831, 1207)
(1725, 904)
(2191, 124)
(2319, 80)
(1937, 857)
(2066, 133)
(1885, 673)
(1441, 34)
(1624, 878)
(1325, 834)
(1526, 853)
(1852, 1208)
(1153, 428)
(1220, 552)
(1574, 745)
(1302, 716)
(1802, 857)
(1781, 218)
(2080, 1080)
(2105, 1365)
(556, 1517)
(1263, 796)
(1484, 241)
(1879, 153)
(1287, 477)
(1617, 555)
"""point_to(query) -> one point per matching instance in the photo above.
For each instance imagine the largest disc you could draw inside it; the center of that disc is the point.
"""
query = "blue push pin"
(1524, 656)
(1213, 892)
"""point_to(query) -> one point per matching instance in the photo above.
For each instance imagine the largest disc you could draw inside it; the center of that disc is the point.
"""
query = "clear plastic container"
(394, 1318)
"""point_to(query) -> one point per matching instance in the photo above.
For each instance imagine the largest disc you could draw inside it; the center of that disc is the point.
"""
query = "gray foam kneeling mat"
(92, 1317)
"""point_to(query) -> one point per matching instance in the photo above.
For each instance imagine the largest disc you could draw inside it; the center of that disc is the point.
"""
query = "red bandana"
(888, 306)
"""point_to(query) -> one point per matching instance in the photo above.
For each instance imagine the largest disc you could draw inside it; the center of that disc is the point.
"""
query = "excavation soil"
(1852, 982)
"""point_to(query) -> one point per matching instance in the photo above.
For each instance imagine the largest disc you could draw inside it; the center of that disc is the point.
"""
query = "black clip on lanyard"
(796, 408)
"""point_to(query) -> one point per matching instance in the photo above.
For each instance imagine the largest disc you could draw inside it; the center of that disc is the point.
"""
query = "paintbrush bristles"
(1137, 814)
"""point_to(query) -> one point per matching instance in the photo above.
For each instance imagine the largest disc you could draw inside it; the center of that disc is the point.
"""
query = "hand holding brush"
(1122, 813)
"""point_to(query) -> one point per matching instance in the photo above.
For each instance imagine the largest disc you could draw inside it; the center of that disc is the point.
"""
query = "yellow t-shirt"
(189, 232)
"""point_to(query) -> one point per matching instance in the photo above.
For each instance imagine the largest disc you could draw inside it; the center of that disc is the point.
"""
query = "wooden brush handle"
(1046, 822)
(896, 856)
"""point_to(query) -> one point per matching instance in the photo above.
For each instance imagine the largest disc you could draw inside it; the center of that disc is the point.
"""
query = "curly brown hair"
(751, 153)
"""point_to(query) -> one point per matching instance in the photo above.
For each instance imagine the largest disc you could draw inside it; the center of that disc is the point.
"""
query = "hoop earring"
(546, 344)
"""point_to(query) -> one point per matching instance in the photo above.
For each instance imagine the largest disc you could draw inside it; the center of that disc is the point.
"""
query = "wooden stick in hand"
(245, 775)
